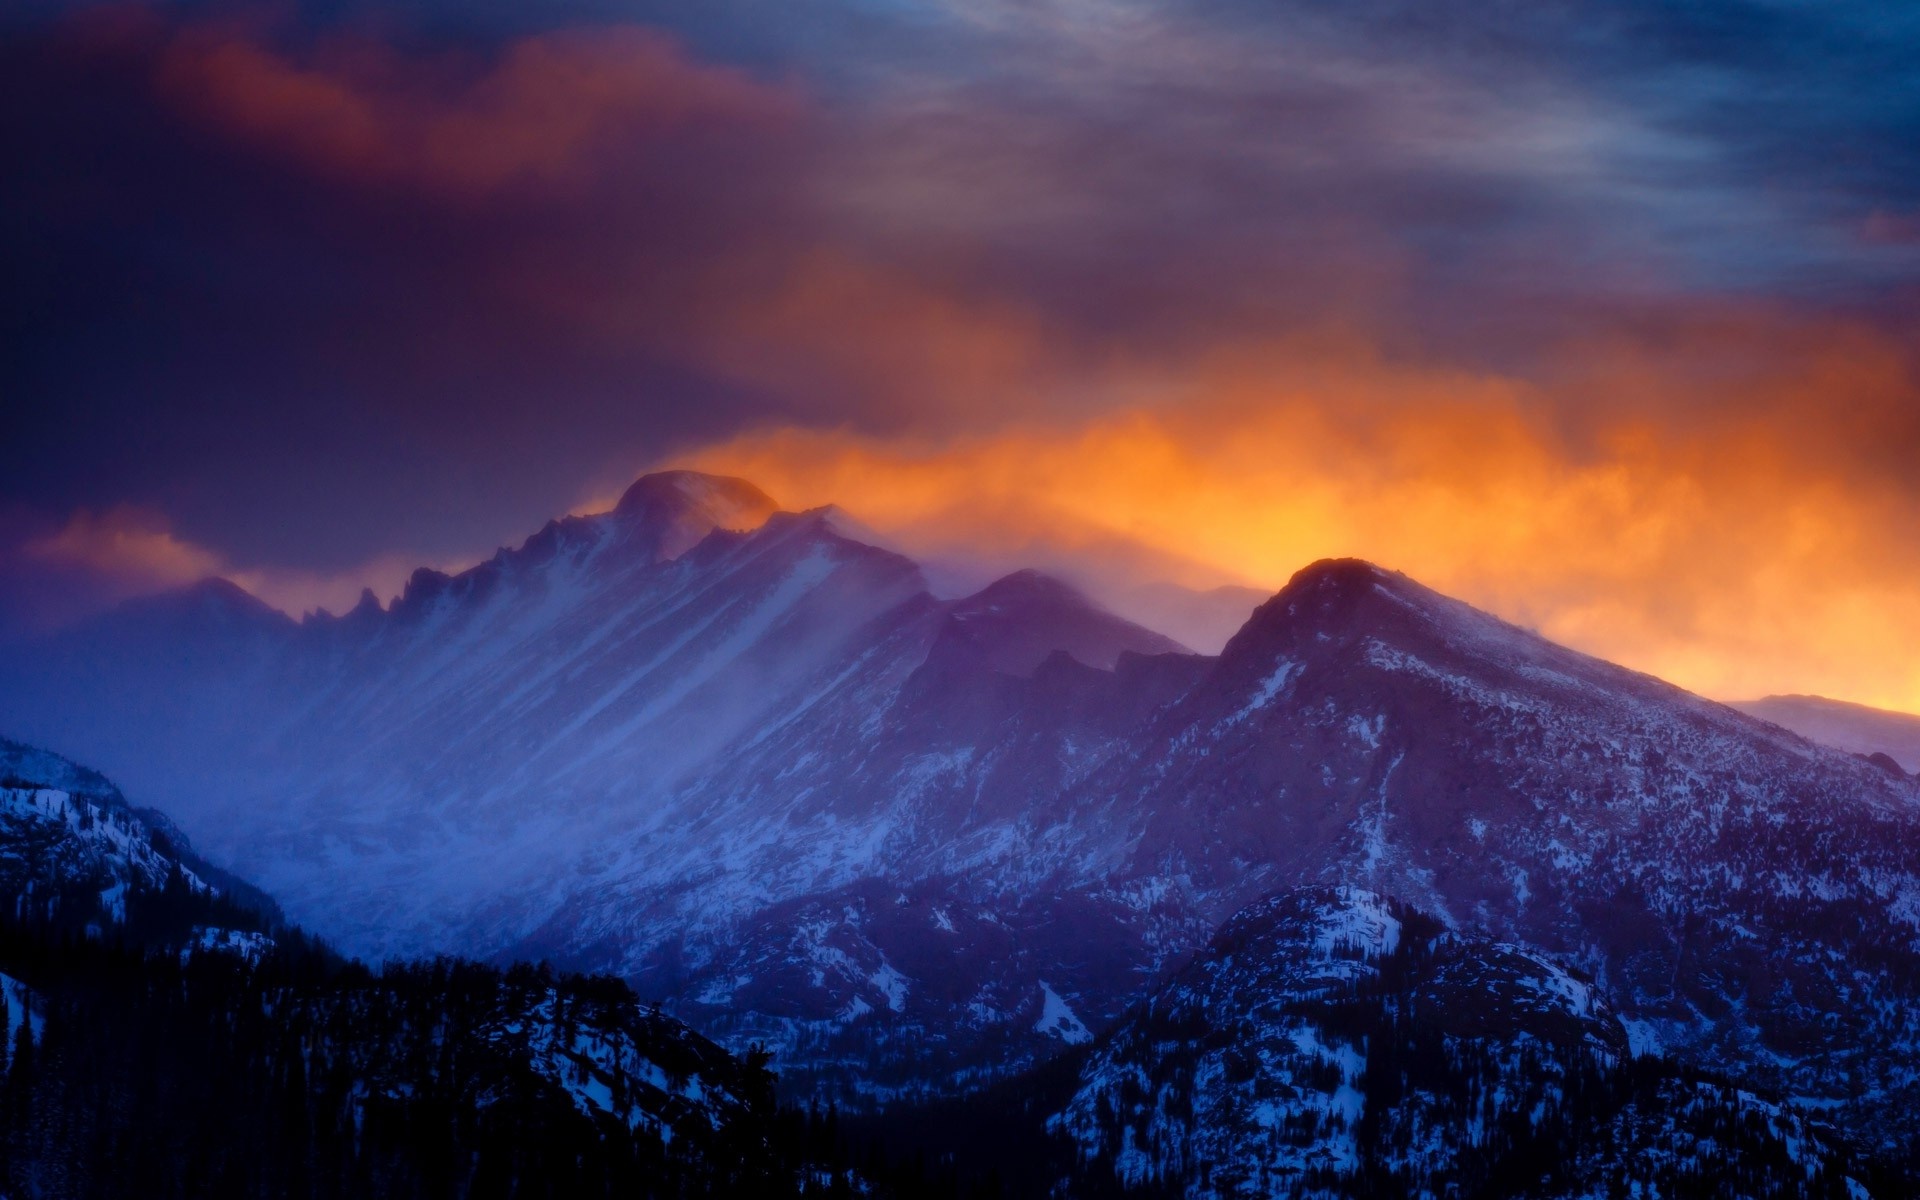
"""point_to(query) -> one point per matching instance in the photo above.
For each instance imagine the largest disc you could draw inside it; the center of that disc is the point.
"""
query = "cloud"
(133, 546)
(1882, 228)
(547, 110)
(1596, 298)
(297, 290)
(96, 559)
(1724, 534)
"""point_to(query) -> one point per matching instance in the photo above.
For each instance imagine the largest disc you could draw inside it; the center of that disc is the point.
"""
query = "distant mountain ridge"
(1855, 728)
(605, 659)
(917, 845)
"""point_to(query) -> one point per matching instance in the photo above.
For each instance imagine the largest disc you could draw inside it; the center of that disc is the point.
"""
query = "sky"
(1600, 315)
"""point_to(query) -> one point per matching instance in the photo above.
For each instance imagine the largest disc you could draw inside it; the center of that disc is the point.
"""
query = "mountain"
(1854, 728)
(915, 846)
(676, 510)
(492, 733)
(1021, 620)
(1747, 897)
(487, 729)
(1204, 618)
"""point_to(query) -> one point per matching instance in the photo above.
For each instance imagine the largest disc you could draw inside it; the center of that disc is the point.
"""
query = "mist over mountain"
(1187, 601)
(748, 763)
(1852, 727)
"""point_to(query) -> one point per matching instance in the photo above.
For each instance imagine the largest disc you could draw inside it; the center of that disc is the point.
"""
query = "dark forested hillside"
(203, 1075)
(1332, 1044)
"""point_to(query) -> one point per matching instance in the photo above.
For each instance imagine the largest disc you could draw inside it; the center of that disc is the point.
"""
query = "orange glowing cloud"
(128, 543)
(1713, 538)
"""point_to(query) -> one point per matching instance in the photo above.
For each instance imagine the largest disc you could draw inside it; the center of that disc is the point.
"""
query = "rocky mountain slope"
(490, 734)
(1733, 886)
(1333, 1043)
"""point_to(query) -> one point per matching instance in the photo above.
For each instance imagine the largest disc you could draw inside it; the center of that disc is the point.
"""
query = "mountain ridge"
(776, 784)
(1856, 728)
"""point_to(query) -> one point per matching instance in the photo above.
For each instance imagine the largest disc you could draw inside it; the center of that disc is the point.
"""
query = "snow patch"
(1643, 1040)
(892, 985)
(1058, 1019)
(1271, 686)
(1360, 923)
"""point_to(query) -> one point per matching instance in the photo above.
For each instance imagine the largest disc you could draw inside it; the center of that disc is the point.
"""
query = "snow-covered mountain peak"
(29, 767)
(1341, 613)
(1337, 599)
(679, 508)
(1323, 602)
(75, 854)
